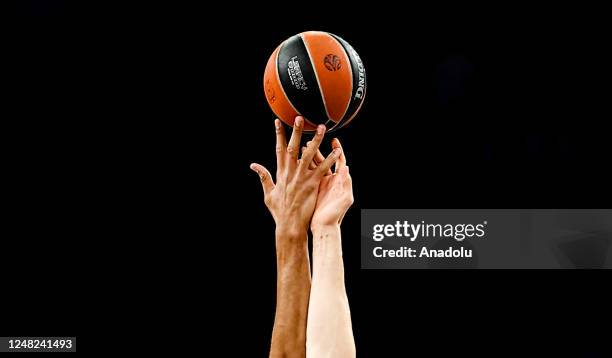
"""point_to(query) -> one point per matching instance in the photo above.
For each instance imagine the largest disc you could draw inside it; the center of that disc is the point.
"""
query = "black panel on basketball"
(359, 81)
(299, 81)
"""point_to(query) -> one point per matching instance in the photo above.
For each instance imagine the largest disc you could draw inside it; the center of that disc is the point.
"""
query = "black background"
(131, 130)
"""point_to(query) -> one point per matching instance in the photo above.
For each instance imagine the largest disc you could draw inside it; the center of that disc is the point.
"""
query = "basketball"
(316, 75)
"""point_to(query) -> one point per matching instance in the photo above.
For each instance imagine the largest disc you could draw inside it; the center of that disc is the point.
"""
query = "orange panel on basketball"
(333, 72)
(277, 99)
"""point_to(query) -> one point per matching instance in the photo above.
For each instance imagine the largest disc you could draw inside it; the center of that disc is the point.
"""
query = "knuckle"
(310, 184)
(267, 200)
(290, 190)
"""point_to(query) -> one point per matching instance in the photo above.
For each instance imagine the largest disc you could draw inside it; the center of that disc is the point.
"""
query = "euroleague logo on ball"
(332, 62)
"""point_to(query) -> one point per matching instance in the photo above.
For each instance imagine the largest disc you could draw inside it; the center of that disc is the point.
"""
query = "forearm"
(293, 290)
(329, 319)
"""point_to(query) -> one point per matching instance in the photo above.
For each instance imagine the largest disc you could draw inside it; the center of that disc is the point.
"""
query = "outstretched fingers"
(317, 160)
(311, 148)
(293, 148)
(281, 146)
(342, 158)
(313, 163)
(331, 159)
(264, 176)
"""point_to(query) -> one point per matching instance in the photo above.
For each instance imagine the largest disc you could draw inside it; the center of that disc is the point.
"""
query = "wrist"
(290, 240)
(324, 227)
(325, 235)
(326, 243)
(291, 232)
(291, 245)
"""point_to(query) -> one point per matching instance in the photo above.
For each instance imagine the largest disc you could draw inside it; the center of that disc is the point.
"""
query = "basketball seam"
(365, 91)
(329, 129)
(279, 80)
(314, 69)
(281, 84)
(348, 104)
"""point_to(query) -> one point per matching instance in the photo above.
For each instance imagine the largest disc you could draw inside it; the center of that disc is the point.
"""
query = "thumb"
(346, 175)
(264, 176)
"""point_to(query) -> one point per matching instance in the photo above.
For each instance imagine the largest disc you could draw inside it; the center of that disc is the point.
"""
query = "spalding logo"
(361, 84)
(332, 62)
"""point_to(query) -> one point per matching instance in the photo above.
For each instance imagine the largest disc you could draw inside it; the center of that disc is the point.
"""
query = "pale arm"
(330, 333)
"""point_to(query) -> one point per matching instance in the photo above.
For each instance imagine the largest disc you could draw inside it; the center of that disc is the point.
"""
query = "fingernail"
(253, 167)
(277, 123)
(299, 121)
(337, 151)
(320, 129)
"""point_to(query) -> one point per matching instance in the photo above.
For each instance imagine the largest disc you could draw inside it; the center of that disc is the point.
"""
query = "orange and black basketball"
(316, 75)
